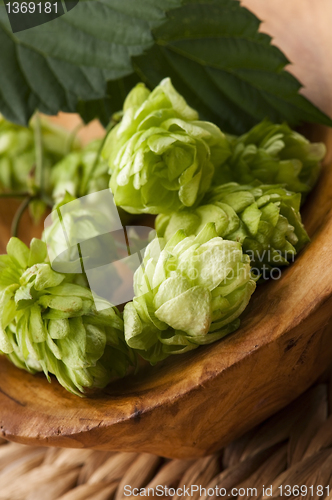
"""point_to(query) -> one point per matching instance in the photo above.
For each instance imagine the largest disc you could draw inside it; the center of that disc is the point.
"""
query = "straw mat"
(292, 448)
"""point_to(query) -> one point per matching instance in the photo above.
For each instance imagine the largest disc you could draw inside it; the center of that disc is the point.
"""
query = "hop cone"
(48, 323)
(81, 220)
(273, 154)
(80, 173)
(189, 291)
(264, 219)
(161, 156)
(18, 153)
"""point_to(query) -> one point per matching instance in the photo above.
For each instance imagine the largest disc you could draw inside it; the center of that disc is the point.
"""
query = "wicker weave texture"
(293, 448)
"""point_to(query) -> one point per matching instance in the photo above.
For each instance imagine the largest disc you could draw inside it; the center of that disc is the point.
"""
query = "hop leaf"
(272, 154)
(189, 291)
(265, 219)
(49, 323)
(161, 156)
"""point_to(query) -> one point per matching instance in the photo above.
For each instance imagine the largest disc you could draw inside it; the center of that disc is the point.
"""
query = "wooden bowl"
(192, 405)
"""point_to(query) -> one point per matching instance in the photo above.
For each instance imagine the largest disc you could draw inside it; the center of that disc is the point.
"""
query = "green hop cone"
(189, 291)
(73, 219)
(266, 221)
(48, 323)
(272, 154)
(161, 156)
(18, 153)
(80, 173)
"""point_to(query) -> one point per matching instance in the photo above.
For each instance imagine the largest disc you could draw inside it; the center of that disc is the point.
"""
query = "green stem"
(95, 163)
(47, 200)
(20, 211)
(72, 138)
(39, 170)
(39, 173)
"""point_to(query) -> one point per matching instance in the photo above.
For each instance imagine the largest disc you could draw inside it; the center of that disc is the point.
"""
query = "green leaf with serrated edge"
(71, 58)
(212, 50)
(117, 91)
(224, 67)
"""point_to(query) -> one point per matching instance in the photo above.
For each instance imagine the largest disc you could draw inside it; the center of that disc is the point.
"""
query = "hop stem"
(101, 147)
(39, 174)
(19, 213)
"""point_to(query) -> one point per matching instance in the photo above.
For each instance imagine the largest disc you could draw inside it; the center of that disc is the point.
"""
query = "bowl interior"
(199, 390)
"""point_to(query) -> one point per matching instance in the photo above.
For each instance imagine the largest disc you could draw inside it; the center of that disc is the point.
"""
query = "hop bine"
(266, 221)
(161, 156)
(49, 323)
(189, 291)
(272, 154)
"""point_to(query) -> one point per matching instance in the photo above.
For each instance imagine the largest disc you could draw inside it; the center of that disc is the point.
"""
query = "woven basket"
(293, 448)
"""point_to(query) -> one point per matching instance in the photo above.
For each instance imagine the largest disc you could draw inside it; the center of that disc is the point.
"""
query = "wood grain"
(192, 405)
